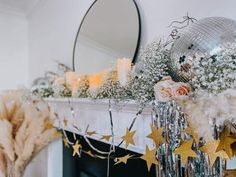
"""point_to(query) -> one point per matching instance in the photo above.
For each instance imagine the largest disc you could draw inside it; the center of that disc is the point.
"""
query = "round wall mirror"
(110, 30)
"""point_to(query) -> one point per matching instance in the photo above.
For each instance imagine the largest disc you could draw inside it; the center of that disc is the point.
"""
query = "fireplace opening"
(87, 166)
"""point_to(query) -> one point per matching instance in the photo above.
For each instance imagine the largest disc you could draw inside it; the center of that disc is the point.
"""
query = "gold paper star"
(76, 148)
(156, 135)
(57, 134)
(189, 130)
(210, 149)
(123, 159)
(150, 157)
(77, 128)
(91, 133)
(66, 142)
(90, 154)
(185, 150)
(128, 137)
(225, 142)
(65, 121)
(48, 125)
(106, 137)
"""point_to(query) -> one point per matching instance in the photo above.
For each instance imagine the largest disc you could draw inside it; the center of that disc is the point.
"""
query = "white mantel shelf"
(95, 113)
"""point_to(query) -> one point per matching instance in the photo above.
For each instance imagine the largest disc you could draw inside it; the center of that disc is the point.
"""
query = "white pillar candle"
(95, 82)
(123, 70)
(73, 82)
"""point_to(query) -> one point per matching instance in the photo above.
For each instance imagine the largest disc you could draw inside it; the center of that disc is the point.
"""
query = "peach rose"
(167, 89)
(182, 89)
(163, 93)
(166, 93)
(164, 89)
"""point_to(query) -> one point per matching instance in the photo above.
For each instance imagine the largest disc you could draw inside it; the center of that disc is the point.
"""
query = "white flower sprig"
(215, 73)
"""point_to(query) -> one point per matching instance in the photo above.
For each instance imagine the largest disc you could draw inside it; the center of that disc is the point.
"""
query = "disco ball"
(203, 38)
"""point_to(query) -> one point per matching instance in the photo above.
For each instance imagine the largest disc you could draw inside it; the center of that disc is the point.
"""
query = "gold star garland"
(128, 137)
(89, 153)
(106, 137)
(91, 133)
(216, 148)
(65, 121)
(150, 157)
(48, 124)
(185, 151)
(157, 135)
(66, 143)
(225, 142)
(210, 149)
(76, 148)
(123, 159)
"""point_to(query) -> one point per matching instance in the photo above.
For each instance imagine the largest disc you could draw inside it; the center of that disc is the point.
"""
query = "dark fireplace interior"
(86, 166)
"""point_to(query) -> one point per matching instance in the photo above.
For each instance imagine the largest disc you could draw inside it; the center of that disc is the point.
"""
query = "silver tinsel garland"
(169, 116)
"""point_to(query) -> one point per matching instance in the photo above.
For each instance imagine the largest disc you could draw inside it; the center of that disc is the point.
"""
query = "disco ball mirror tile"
(205, 38)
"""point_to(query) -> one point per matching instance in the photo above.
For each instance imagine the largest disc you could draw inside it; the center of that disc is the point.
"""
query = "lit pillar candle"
(95, 82)
(73, 82)
(123, 70)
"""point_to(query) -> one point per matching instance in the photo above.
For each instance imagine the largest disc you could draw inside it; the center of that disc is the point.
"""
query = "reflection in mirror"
(109, 31)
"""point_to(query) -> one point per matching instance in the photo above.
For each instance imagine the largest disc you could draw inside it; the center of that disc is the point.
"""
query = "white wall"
(13, 51)
(52, 29)
(158, 14)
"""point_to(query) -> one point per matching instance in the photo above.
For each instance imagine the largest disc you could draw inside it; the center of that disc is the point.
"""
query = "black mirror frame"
(77, 34)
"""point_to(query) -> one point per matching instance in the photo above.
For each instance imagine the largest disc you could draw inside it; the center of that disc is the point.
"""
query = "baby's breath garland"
(43, 92)
(215, 73)
(152, 66)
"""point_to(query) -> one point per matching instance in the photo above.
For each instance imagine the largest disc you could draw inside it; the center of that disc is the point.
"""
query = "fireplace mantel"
(95, 113)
